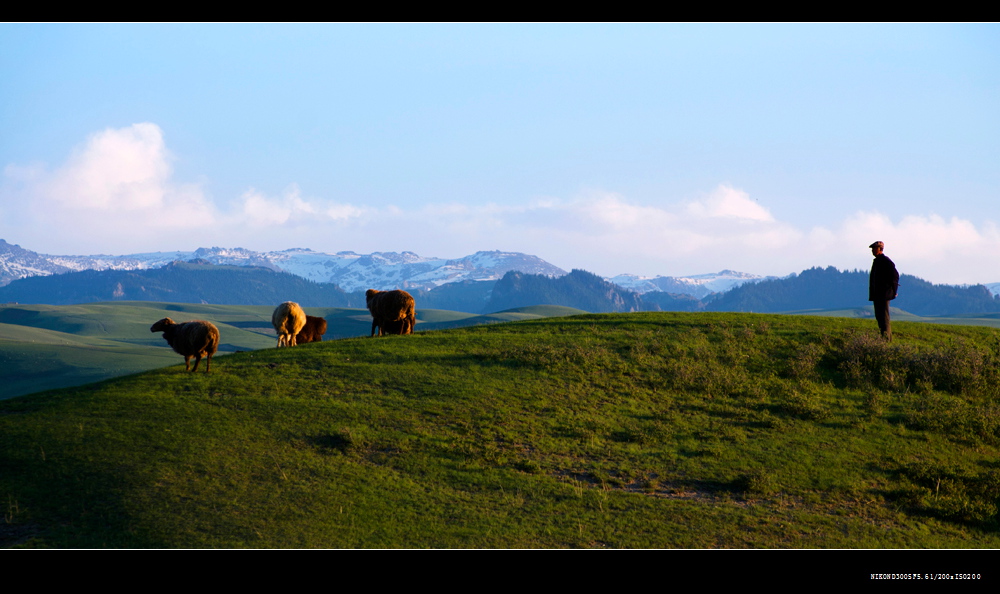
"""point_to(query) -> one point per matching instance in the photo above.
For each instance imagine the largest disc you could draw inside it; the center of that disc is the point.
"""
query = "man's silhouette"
(882, 287)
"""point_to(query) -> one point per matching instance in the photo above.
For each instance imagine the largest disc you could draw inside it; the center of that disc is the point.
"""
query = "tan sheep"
(197, 339)
(288, 320)
(393, 312)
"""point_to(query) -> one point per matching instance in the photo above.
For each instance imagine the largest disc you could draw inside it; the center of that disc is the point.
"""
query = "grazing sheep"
(197, 339)
(288, 320)
(396, 327)
(393, 312)
(313, 331)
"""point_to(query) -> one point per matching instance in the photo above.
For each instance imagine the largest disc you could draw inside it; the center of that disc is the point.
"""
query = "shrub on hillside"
(952, 493)
(958, 367)
(954, 416)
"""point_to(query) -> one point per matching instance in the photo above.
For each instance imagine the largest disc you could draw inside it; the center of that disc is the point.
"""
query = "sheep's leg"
(208, 363)
(187, 362)
(374, 324)
(197, 360)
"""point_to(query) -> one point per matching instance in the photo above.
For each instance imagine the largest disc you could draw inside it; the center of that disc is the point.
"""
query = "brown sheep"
(393, 312)
(197, 339)
(313, 331)
(396, 327)
(288, 320)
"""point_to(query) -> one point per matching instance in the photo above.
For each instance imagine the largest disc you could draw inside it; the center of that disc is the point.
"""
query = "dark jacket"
(884, 280)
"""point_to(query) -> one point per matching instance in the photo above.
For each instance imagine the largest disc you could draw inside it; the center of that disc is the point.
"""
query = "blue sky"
(645, 149)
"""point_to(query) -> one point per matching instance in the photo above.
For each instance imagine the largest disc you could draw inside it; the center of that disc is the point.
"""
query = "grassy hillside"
(44, 347)
(981, 319)
(47, 346)
(617, 430)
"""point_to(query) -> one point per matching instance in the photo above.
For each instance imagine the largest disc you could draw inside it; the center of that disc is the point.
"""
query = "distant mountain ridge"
(200, 281)
(829, 288)
(358, 272)
(579, 289)
(463, 284)
(699, 285)
(197, 281)
(349, 270)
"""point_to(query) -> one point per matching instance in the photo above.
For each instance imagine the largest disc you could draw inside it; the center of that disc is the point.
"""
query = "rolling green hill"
(46, 346)
(982, 319)
(595, 431)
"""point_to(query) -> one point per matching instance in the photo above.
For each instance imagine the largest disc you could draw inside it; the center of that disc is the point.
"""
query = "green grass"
(982, 319)
(45, 347)
(593, 431)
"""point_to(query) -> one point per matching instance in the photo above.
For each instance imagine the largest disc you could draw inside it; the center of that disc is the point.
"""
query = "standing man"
(882, 286)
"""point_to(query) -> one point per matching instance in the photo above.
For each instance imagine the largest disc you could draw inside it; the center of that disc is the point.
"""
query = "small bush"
(958, 367)
(875, 403)
(953, 415)
(804, 363)
(953, 494)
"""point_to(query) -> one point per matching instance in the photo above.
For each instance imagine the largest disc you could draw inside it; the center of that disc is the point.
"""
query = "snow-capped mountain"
(17, 262)
(349, 270)
(358, 272)
(698, 285)
(387, 270)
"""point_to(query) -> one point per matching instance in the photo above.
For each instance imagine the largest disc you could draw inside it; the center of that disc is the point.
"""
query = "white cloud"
(615, 213)
(605, 231)
(728, 202)
(126, 169)
(610, 234)
(940, 250)
(260, 211)
(290, 209)
(343, 212)
(116, 193)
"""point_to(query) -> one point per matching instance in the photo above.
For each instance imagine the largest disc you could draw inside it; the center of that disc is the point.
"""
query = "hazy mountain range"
(357, 272)
(484, 282)
(829, 288)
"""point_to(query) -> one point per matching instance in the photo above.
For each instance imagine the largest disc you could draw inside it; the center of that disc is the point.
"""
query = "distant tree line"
(829, 288)
(202, 282)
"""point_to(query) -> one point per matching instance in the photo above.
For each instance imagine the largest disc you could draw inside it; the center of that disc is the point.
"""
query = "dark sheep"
(197, 338)
(313, 331)
(393, 312)
(396, 327)
(288, 320)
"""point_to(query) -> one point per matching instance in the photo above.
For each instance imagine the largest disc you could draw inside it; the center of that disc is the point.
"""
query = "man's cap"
(877, 244)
